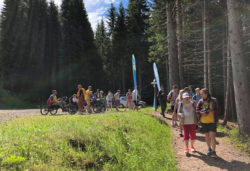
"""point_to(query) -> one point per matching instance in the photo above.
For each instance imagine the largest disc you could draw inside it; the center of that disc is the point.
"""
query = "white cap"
(185, 95)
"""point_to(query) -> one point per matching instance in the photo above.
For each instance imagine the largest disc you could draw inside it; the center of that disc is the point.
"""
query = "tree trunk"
(172, 45)
(228, 85)
(239, 68)
(180, 35)
(209, 69)
(204, 21)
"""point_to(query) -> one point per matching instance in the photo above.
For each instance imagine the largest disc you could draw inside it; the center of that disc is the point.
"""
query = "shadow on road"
(221, 163)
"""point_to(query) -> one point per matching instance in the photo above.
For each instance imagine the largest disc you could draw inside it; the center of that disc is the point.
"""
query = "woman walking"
(81, 93)
(188, 118)
(129, 99)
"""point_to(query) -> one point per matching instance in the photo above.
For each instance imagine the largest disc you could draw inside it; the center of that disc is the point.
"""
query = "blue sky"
(96, 8)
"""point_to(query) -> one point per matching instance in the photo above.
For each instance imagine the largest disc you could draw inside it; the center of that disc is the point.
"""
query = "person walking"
(81, 93)
(87, 98)
(196, 98)
(207, 109)
(172, 95)
(109, 99)
(187, 113)
(175, 116)
(162, 98)
(135, 99)
(117, 100)
(129, 99)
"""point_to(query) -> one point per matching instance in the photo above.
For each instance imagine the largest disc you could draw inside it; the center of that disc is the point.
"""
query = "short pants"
(211, 127)
(117, 103)
(189, 131)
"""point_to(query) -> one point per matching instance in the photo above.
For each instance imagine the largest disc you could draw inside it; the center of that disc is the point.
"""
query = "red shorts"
(189, 131)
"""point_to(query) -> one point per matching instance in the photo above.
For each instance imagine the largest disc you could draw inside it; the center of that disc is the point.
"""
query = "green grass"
(234, 137)
(124, 141)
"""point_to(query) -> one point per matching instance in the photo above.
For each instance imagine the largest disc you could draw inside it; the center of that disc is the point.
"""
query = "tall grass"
(117, 141)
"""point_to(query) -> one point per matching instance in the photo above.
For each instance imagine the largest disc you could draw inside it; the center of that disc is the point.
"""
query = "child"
(188, 119)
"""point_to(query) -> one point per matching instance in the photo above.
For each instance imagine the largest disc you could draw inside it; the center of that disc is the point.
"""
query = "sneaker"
(209, 152)
(181, 135)
(187, 152)
(213, 154)
(193, 149)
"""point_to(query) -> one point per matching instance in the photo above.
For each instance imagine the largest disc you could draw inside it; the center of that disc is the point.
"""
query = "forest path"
(229, 158)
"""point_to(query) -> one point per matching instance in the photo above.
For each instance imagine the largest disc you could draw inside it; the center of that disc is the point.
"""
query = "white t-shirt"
(134, 95)
(188, 111)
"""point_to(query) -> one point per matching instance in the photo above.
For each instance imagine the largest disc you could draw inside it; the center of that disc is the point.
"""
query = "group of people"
(83, 98)
(192, 110)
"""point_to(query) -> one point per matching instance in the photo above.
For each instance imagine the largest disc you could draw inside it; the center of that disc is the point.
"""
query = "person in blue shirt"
(197, 96)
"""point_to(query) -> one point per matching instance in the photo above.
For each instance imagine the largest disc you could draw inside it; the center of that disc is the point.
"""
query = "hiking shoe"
(213, 154)
(181, 135)
(193, 149)
(209, 152)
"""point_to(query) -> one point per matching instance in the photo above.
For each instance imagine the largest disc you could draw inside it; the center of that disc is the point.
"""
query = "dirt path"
(12, 114)
(230, 158)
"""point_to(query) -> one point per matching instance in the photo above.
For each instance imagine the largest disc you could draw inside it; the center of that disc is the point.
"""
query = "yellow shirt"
(209, 118)
(87, 97)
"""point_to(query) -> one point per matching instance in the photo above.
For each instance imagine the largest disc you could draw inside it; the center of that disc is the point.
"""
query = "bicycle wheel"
(72, 110)
(121, 108)
(44, 109)
(53, 111)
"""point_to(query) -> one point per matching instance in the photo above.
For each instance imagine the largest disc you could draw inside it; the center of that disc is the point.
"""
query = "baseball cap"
(185, 95)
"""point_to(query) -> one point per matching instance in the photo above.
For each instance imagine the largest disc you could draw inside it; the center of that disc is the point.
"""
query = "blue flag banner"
(157, 77)
(134, 71)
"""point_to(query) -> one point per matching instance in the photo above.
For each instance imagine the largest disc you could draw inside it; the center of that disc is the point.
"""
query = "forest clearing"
(104, 63)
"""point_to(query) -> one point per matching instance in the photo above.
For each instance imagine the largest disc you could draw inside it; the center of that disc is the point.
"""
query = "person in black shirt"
(162, 98)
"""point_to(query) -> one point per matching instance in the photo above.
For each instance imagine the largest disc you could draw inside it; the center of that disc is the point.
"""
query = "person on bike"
(87, 97)
(117, 99)
(81, 97)
(53, 97)
(54, 101)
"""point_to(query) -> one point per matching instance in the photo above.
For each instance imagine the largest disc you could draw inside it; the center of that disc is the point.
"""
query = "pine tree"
(138, 17)
(81, 61)
(120, 53)
(112, 15)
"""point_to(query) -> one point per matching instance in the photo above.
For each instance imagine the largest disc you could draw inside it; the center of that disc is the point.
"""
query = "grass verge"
(117, 141)
(234, 137)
